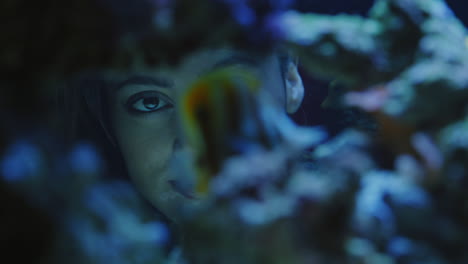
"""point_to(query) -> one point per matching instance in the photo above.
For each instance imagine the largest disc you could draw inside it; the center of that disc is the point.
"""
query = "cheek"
(147, 146)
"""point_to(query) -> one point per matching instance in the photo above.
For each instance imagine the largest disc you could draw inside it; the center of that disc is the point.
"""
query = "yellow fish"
(219, 115)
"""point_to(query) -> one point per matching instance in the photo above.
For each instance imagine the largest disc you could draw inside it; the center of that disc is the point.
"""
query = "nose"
(182, 170)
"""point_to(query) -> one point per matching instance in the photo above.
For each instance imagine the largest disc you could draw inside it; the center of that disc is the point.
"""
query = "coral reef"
(397, 195)
(405, 64)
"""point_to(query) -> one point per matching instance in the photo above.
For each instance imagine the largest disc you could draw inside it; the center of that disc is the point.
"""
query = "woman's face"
(144, 118)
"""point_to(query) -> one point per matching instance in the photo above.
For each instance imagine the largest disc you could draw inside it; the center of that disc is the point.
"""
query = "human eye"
(148, 102)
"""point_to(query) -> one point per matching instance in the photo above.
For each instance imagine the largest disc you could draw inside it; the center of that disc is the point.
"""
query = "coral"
(396, 195)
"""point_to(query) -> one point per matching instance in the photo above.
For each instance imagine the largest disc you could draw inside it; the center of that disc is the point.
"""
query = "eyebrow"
(145, 80)
(237, 58)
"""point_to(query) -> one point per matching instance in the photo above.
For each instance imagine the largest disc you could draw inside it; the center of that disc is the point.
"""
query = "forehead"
(209, 57)
(201, 61)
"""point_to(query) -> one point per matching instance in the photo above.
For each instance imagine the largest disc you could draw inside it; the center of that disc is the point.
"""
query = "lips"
(181, 189)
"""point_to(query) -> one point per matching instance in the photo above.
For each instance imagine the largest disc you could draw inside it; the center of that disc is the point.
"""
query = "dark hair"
(84, 109)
